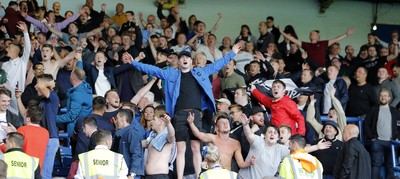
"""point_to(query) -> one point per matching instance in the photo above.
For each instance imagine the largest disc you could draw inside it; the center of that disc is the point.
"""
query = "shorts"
(157, 176)
(182, 128)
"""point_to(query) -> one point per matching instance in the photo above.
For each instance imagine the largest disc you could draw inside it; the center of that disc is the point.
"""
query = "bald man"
(353, 161)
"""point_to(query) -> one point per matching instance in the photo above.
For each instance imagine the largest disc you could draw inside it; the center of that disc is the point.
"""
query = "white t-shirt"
(102, 85)
(217, 53)
(268, 159)
(178, 49)
(3, 123)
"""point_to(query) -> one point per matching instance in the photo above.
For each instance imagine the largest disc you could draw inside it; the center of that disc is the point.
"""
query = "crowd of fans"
(133, 93)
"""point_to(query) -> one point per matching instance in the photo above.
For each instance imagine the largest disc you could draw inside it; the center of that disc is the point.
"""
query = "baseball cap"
(172, 53)
(186, 53)
(224, 100)
(256, 109)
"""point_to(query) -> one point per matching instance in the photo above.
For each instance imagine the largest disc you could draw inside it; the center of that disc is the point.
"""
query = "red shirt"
(316, 51)
(283, 111)
(389, 66)
(35, 143)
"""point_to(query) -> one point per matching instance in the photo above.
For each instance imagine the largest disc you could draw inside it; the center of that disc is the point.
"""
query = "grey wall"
(302, 14)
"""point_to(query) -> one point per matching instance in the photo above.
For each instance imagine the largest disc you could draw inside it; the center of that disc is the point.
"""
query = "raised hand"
(3, 29)
(126, 56)
(62, 44)
(18, 93)
(252, 87)
(237, 47)
(312, 99)
(176, 8)
(78, 54)
(305, 66)
(333, 91)
(22, 26)
(116, 57)
(166, 117)
(190, 118)
(279, 28)
(53, 41)
(84, 10)
(259, 56)
(141, 56)
(95, 43)
(350, 31)
(244, 119)
(140, 14)
(304, 55)
(103, 7)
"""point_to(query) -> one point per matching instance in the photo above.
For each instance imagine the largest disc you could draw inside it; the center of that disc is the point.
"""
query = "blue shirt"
(50, 110)
(130, 147)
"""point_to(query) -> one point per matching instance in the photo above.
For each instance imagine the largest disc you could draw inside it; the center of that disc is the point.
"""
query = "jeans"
(52, 147)
(381, 154)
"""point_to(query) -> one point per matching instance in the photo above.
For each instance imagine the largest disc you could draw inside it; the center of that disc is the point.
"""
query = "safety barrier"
(396, 168)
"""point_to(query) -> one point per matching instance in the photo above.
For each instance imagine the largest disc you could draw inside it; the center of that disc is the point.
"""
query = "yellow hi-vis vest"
(20, 165)
(218, 173)
(100, 164)
(292, 169)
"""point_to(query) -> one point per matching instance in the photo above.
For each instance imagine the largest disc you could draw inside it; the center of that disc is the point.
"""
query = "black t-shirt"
(373, 67)
(189, 93)
(361, 100)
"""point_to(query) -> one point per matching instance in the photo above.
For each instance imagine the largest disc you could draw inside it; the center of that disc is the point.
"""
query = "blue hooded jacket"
(79, 103)
(172, 79)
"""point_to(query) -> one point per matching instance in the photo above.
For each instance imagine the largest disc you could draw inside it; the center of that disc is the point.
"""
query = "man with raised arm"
(283, 109)
(228, 146)
(188, 90)
(316, 48)
(16, 66)
(160, 146)
(267, 151)
(52, 66)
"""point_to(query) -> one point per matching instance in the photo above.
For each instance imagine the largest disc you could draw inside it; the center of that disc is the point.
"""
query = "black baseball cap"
(186, 53)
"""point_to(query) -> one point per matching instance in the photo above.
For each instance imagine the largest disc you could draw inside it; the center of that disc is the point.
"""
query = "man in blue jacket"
(127, 142)
(188, 90)
(79, 100)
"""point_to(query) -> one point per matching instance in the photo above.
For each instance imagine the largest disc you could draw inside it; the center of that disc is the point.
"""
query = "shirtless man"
(159, 154)
(52, 66)
(227, 146)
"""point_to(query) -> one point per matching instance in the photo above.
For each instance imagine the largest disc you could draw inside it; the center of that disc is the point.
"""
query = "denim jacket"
(172, 79)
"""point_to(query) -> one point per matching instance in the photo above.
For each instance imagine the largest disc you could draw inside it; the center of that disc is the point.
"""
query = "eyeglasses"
(41, 69)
